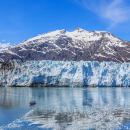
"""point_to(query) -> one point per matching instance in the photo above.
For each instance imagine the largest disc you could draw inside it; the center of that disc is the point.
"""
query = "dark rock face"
(6, 65)
(66, 46)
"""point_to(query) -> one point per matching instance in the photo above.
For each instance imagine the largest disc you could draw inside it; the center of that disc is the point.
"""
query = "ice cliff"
(61, 73)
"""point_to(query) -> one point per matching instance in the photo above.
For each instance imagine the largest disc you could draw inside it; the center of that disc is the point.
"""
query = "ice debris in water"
(69, 73)
(61, 115)
(85, 117)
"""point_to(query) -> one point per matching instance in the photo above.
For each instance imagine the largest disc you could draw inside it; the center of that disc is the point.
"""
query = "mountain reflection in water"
(70, 108)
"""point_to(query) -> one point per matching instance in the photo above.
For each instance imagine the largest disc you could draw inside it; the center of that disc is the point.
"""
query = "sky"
(24, 19)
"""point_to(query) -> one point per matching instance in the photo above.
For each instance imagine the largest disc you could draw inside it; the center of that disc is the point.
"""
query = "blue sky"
(24, 19)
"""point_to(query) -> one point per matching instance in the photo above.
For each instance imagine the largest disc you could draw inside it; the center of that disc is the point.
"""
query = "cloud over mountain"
(4, 45)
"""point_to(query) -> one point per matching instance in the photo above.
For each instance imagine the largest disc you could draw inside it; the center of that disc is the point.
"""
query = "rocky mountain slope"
(78, 45)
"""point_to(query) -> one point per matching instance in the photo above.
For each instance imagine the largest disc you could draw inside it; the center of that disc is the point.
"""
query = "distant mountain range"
(78, 45)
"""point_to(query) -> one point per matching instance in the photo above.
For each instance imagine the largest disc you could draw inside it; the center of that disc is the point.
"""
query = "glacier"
(65, 74)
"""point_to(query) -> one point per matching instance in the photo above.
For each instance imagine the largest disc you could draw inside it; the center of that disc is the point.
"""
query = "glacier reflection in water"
(69, 108)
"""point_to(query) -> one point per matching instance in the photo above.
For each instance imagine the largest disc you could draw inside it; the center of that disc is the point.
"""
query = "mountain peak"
(79, 30)
(63, 31)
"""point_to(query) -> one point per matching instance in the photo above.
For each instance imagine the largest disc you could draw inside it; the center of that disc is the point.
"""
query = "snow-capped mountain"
(78, 45)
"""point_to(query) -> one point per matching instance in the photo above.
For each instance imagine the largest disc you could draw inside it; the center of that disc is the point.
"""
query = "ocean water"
(64, 108)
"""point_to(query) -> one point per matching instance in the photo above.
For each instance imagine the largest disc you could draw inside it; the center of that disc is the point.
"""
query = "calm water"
(65, 108)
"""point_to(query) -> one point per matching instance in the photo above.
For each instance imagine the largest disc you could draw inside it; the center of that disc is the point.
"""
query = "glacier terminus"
(64, 73)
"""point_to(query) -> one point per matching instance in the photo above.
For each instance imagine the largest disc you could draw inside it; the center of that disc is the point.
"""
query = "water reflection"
(12, 97)
(70, 108)
(108, 117)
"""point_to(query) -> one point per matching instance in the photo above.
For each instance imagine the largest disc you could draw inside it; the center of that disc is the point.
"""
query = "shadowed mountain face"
(78, 45)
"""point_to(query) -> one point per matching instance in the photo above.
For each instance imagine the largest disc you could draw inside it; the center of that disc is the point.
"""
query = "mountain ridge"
(61, 45)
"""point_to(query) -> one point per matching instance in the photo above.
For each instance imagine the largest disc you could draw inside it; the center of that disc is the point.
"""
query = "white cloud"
(3, 40)
(116, 11)
(4, 45)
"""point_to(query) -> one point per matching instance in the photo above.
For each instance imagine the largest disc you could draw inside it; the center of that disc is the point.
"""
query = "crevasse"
(69, 73)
